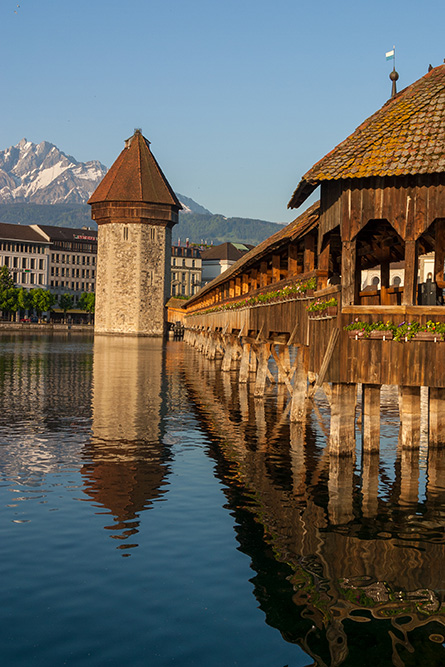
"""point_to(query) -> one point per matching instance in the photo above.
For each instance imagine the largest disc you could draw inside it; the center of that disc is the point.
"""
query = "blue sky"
(239, 98)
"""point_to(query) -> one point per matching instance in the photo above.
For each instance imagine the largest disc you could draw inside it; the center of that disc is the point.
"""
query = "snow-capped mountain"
(42, 174)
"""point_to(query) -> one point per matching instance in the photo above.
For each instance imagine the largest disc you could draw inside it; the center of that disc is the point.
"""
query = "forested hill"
(219, 229)
(194, 226)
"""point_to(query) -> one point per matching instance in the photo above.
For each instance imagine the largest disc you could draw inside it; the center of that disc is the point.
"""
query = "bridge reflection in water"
(359, 541)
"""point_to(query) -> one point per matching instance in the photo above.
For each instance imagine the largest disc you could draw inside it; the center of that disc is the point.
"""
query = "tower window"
(125, 231)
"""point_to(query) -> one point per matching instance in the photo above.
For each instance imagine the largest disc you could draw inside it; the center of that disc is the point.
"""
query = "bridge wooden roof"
(135, 176)
(294, 230)
(405, 137)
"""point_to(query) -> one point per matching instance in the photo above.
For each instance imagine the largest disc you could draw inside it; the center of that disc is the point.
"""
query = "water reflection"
(365, 566)
(126, 462)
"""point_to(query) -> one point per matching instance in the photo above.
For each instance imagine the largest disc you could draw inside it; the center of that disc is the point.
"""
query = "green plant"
(320, 305)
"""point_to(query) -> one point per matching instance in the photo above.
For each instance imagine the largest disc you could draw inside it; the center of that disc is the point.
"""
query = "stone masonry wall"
(133, 278)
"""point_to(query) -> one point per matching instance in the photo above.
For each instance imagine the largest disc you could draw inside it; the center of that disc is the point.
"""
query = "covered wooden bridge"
(382, 200)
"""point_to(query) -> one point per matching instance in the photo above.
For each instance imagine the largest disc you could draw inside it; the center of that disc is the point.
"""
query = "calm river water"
(154, 513)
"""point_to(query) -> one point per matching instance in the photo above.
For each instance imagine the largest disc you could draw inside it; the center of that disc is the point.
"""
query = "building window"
(125, 232)
(24, 278)
(40, 278)
(32, 278)
(41, 264)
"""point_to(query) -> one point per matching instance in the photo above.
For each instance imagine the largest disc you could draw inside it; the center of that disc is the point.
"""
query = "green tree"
(8, 293)
(42, 300)
(87, 303)
(66, 303)
(24, 299)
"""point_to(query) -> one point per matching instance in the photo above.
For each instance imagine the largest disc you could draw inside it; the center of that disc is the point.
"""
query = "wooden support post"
(409, 405)
(371, 417)
(245, 283)
(309, 253)
(323, 265)
(284, 367)
(410, 282)
(343, 404)
(384, 283)
(261, 376)
(292, 259)
(263, 274)
(228, 352)
(439, 253)
(244, 365)
(370, 483)
(350, 274)
(276, 264)
(253, 361)
(299, 395)
(238, 286)
(211, 350)
(436, 407)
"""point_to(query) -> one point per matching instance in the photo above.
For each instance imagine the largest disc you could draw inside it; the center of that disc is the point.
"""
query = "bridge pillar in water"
(262, 369)
(343, 405)
(409, 408)
(436, 407)
(371, 417)
(245, 364)
(299, 394)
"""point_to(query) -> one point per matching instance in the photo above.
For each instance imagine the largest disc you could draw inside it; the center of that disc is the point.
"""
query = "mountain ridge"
(41, 184)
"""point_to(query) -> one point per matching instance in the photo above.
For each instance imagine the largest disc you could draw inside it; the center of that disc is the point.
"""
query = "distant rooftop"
(228, 251)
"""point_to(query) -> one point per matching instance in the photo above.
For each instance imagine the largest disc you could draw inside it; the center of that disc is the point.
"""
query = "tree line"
(15, 299)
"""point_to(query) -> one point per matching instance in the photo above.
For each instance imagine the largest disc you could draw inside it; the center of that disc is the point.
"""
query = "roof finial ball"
(394, 77)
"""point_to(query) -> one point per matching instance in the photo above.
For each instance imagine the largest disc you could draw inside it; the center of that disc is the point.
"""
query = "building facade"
(186, 271)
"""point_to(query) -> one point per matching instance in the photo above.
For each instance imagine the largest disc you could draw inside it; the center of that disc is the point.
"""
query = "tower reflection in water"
(127, 464)
(357, 552)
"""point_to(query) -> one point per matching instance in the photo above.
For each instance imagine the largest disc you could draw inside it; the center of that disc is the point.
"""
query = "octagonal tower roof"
(135, 176)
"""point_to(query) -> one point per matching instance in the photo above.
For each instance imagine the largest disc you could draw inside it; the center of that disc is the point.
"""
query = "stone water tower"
(135, 209)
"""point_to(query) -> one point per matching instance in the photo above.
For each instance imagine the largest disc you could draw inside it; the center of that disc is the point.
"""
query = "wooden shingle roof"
(291, 232)
(135, 176)
(405, 137)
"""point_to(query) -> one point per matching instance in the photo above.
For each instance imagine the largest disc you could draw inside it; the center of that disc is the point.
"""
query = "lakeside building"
(60, 259)
(186, 271)
(26, 253)
(217, 259)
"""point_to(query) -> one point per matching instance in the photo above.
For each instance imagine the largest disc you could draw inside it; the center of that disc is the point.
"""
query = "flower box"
(331, 311)
(357, 334)
(428, 335)
(381, 334)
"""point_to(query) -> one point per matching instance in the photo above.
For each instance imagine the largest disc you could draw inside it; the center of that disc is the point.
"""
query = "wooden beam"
(276, 265)
(326, 361)
(309, 253)
(292, 259)
(439, 256)
(410, 284)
